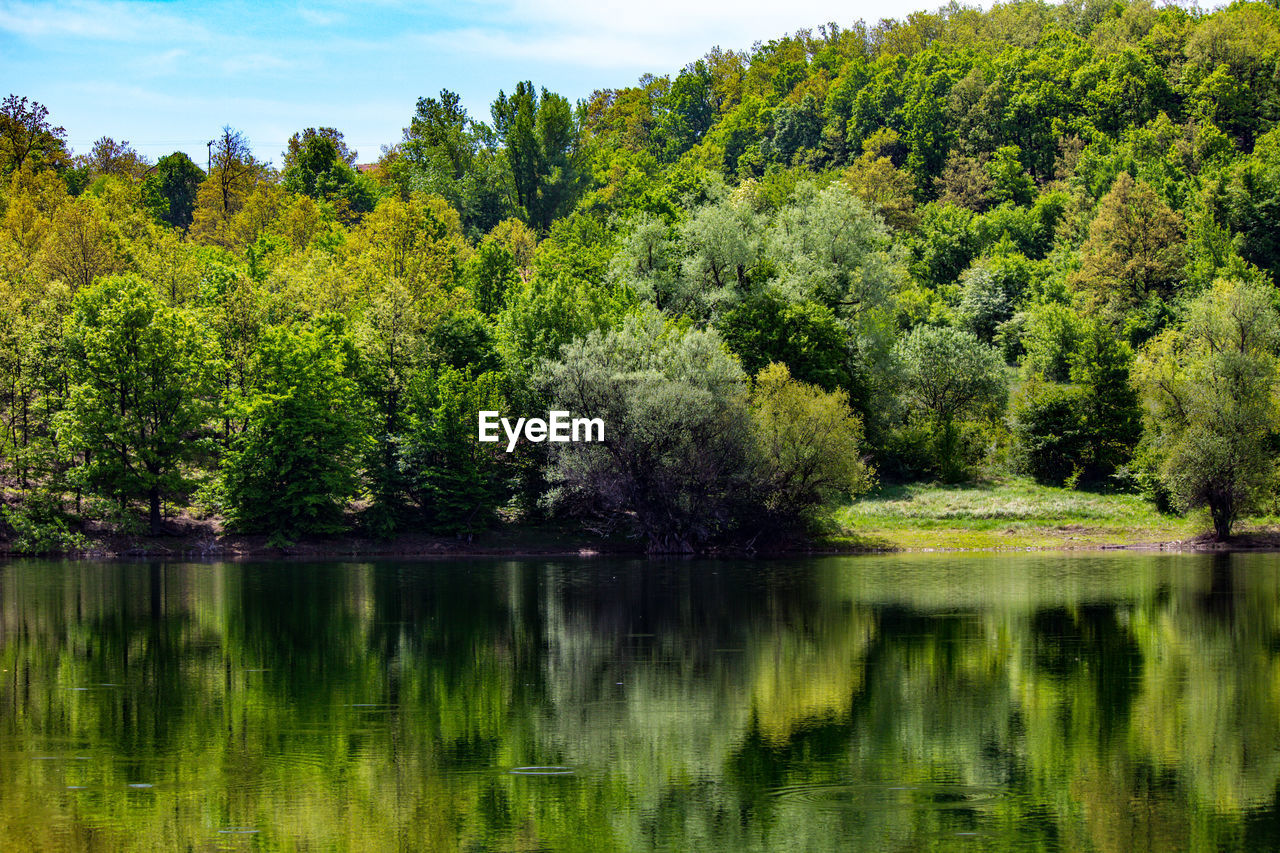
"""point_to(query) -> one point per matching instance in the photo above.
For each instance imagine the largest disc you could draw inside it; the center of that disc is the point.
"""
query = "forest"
(1040, 239)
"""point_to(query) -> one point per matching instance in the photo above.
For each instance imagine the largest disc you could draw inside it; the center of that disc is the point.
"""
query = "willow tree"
(1209, 388)
(673, 468)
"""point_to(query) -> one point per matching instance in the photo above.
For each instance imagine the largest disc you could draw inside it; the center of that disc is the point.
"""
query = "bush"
(1049, 430)
(39, 526)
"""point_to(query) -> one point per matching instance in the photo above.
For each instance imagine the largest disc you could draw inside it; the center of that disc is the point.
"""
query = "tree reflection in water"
(1110, 702)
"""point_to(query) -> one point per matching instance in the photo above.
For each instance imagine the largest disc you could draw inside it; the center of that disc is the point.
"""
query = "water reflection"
(1109, 702)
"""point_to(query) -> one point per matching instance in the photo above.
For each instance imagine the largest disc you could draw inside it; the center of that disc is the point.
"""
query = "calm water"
(1045, 702)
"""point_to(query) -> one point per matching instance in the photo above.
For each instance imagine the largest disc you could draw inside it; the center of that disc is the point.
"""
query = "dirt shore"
(204, 540)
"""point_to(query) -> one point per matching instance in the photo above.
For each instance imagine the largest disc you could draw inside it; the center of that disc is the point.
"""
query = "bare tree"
(232, 165)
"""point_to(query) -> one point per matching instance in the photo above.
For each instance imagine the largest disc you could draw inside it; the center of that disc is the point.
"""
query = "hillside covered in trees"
(1042, 238)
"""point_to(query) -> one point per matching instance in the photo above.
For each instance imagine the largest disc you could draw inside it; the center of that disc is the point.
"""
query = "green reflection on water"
(1056, 702)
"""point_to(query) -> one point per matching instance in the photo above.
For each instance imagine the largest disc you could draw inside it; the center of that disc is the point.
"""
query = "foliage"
(948, 376)
(40, 525)
(28, 138)
(869, 206)
(1048, 428)
(292, 469)
(1135, 248)
(991, 290)
(808, 446)
(139, 394)
(540, 135)
(391, 340)
(455, 482)
(171, 189)
(490, 275)
(1210, 390)
(1110, 413)
(1051, 334)
(804, 336)
(318, 164)
(672, 469)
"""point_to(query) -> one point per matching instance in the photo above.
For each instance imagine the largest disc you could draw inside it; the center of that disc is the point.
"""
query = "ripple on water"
(882, 797)
(542, 770)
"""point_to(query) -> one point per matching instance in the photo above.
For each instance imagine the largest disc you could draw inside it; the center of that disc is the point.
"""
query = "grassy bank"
(1013, 513)
(1005, 514)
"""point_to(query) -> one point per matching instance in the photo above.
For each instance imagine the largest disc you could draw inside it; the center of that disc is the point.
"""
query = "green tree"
(831, 249)
(687, 111)
(948, 375)
(445, 153)
(140, 394)
(170, 189)
(391, 339)
(233, 176)
(556, 305)
(1009, 180)
(1136, 248)
(464, 340)
(318, 164)
(294, 467)
(438, 138)
(1246, 199)
(490, 274)
(990, 290)
(108, 157)
(1048, 431)
(455, 481)
(1051, 334)
(884, 188)
(721, 243)
(1111, 417)
(28, 138)
(945, 245)
(808, 447)
(541, 139)
(1210, 390)
(804, 336)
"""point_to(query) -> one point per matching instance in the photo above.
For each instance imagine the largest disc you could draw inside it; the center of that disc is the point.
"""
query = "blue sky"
(168, 75)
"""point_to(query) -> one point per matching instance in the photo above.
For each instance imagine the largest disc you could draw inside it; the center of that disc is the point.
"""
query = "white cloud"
(90, 19)
(254, 63)
(594, 50)
(159, 64)
(319, 18)
(656, 35)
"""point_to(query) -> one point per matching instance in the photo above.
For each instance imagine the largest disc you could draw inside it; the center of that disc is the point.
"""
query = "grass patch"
(1011, 513)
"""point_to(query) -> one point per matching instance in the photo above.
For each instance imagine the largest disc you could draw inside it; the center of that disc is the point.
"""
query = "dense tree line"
(1038, 238)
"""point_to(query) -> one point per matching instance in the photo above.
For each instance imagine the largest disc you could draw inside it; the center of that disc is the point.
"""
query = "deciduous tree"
(1210, 390)
(140, 393)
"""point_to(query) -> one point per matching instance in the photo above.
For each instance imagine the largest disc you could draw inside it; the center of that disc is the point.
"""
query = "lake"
(1089, 701)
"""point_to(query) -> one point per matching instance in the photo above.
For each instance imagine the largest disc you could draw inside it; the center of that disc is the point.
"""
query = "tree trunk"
(155, 510)
(1220, 510)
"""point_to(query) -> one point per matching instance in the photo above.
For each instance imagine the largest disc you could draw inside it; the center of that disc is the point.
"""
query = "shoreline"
(533, 542)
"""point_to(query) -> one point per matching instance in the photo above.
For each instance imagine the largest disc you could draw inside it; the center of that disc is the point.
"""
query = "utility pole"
(209, 164)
